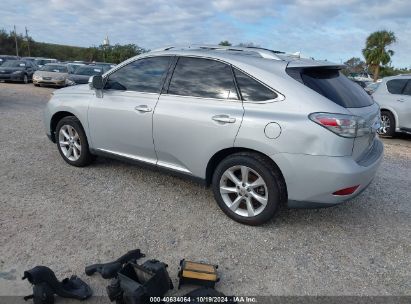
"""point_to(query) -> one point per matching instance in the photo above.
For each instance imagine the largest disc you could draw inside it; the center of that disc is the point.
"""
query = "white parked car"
(394, 97)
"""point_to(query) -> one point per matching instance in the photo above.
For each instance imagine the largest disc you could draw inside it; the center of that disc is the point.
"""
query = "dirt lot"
(66, 217)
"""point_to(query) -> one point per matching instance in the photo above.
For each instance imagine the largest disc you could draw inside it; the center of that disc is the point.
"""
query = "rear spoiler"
(295, 68)
(311, 63)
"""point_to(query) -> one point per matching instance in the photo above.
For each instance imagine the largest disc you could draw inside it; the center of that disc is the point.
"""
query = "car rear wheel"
(72, 142)
(387, 124)
(248, 188)
(25, 79)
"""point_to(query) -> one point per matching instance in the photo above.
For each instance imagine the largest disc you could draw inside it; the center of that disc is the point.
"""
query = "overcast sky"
(334, 30)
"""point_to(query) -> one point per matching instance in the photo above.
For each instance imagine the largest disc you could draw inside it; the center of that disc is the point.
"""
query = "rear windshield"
(332, 84)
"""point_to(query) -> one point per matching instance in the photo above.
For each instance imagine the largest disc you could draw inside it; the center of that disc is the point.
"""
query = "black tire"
(276, 188)
(36, 85)
(388, 131)
(85, 157)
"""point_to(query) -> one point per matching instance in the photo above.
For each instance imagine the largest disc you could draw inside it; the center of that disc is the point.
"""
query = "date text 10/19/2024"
(222, 299)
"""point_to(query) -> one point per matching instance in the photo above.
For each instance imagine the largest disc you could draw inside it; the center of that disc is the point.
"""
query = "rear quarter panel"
(298, 133)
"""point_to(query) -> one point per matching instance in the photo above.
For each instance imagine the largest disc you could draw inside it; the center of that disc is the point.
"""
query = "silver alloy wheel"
(385, 124)
(244, 191)
(25, 79)
(69, 141)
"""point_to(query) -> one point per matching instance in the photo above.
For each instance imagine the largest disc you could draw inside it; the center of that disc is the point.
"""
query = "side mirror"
(96, 82)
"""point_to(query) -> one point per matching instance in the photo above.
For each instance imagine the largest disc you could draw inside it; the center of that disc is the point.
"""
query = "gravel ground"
(65, 217)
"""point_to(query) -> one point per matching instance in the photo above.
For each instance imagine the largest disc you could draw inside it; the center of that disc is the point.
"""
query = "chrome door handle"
(142, 108)
(401, 100)
(223, 118)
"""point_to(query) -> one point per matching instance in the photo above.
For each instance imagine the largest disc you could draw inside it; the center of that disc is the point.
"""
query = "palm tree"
(375, 53)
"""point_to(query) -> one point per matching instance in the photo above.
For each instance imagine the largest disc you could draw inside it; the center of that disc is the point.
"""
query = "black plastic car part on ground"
(45, 285)
(136, 284)
(109, 270)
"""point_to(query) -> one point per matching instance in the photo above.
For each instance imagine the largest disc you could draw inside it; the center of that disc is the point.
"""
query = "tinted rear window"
(396, 86)
(407, 89)
(332, 84)
(252, 90)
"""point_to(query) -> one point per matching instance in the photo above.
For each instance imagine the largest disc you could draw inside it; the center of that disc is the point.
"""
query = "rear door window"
(252, 90)
(332, 84)
(205, 78)
(407, 89)
(396, 86)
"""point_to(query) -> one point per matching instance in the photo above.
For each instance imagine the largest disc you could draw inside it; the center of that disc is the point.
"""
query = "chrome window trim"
(127, 62)
(280, 97)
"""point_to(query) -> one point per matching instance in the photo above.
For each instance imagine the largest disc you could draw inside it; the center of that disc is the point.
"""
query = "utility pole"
(15, 39)
(106, 44)
(28, 41)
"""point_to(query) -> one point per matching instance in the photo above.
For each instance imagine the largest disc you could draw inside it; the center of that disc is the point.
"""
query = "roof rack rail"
(166, 48)
(265, 53)
(262, 52)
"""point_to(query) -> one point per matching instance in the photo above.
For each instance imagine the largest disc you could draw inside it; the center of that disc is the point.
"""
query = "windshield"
(332, 84)
(42, 61)
(14, 64)
(54, 68)
(88, 70)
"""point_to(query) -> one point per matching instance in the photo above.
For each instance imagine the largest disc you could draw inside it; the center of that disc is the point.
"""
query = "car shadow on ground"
(355, 212)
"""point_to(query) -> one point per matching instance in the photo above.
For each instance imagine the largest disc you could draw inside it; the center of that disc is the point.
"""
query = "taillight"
(349, 126)
(346, 191)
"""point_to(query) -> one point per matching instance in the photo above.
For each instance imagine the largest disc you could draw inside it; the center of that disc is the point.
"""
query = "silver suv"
(394, 97)
(261, 127)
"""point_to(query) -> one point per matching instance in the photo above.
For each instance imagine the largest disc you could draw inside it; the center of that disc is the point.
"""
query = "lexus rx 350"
(262, 128)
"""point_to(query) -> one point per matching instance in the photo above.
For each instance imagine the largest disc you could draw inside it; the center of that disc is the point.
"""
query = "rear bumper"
(311, 180)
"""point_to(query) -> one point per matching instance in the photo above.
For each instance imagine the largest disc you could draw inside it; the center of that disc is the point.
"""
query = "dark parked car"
(4, 58)
(32, 59)
(106, 64)
(40, 62)
(17, 70)
(82, 74)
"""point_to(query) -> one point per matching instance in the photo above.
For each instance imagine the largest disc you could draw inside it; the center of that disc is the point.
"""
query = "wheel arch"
(220, 155)
(393, 112)
(55, 120)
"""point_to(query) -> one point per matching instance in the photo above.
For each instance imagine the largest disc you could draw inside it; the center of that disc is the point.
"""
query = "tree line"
(28, 47)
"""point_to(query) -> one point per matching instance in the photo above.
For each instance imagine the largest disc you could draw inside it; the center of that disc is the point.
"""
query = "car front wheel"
(248, 188)
(72, 142)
